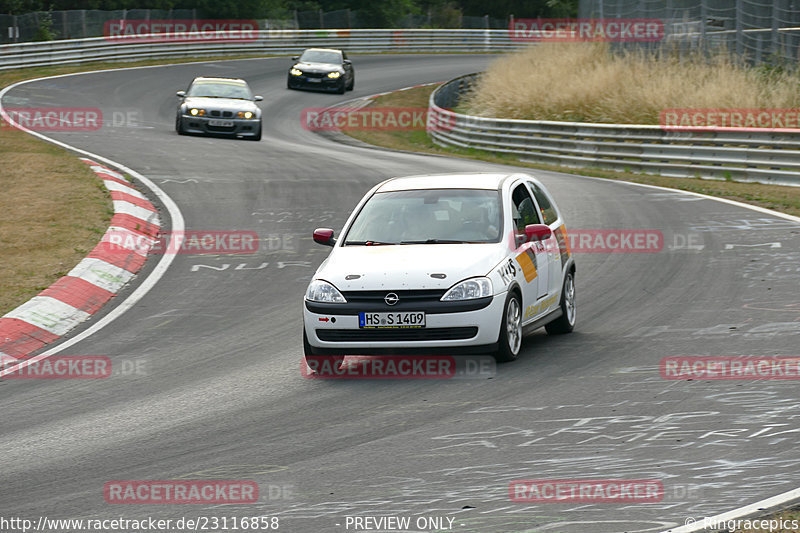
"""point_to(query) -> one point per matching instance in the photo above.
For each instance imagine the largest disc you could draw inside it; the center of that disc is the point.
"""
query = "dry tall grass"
(585, 82)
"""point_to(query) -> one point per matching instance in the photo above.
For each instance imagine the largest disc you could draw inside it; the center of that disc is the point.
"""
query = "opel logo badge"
(391, 298)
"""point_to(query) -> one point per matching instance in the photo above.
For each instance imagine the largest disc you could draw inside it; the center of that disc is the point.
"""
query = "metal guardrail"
(259, 42)
(757, 156)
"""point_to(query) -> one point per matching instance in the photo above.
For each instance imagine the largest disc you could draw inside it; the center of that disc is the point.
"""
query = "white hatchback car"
(447, 263)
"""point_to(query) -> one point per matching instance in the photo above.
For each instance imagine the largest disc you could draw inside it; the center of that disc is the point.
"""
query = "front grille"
(224, 129)
(396, 335)
(315, 74)
(406, 297)
(218, 113)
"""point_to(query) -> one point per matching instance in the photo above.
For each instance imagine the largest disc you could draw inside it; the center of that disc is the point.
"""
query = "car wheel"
(317, 363)
(566, 322)
(179, 125)
(289, 84)
(352, 83)
(510, 341)
(341, 88)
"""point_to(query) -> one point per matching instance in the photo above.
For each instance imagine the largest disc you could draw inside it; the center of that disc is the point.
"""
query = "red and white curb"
(93, 282)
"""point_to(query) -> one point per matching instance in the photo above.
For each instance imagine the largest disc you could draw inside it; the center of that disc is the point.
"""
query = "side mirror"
(295, 58)
(258, 98)
(537, 232)
(182, 94)
(347, 62)
(324, 236)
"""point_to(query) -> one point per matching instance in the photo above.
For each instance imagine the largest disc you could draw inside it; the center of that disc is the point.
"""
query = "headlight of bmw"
(296, 72)
(245, 114)
(195, 112)
(469, 289)
(334, 75)
(324, 292)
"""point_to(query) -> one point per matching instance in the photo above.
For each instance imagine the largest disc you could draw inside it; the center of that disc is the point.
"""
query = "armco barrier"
(260, 42)
(766, 156)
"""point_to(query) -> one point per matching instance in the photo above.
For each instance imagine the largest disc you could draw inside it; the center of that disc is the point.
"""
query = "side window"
(523, 211)
(548, 211)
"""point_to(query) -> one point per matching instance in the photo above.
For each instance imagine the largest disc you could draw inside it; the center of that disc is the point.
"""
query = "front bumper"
(240, 126)
(474, 331)
(307, 82)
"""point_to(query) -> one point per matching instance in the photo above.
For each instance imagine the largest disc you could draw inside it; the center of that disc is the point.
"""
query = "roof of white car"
(324, 50)
(237, 81)
(477, 180)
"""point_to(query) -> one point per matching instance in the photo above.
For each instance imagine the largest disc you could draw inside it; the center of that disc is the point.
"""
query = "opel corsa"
(448, 263)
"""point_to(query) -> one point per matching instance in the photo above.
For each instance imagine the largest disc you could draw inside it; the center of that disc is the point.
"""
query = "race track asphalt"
(219, 393)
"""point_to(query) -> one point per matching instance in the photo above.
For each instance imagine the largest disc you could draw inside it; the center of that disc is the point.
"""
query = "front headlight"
(324, 292)
(334, 75)
(296, 72)
(469, 289)
(245, 114)
(197, 112)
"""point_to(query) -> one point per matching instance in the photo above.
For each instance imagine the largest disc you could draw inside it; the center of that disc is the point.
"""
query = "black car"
(222, 106)
(322, 68)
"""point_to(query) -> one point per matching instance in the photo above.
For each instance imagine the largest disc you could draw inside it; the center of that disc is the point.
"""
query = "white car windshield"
(428, 216)
(317, 56)
(220, 90)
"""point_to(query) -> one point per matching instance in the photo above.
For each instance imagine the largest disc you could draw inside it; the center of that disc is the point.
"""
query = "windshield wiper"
(367, 243)
(435, 241)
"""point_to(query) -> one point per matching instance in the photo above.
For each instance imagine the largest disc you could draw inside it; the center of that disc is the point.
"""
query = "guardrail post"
(775, 37)
(703, 17)
(739, 29)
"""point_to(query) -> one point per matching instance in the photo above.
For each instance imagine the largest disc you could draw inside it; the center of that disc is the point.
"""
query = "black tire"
(341, 88)
(351, 84)
(326, 363)
(257, 136)
(179, 125)
(566, 322)
(509, 342)
(289, 84)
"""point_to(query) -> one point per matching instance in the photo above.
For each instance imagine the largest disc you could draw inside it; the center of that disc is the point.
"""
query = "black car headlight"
(334, 75)
(296, 72)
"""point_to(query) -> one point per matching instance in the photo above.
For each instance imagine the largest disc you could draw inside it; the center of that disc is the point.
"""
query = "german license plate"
(221, 123)
(397, 320)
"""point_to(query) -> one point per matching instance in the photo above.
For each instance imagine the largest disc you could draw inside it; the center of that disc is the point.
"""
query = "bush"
(587, 82)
